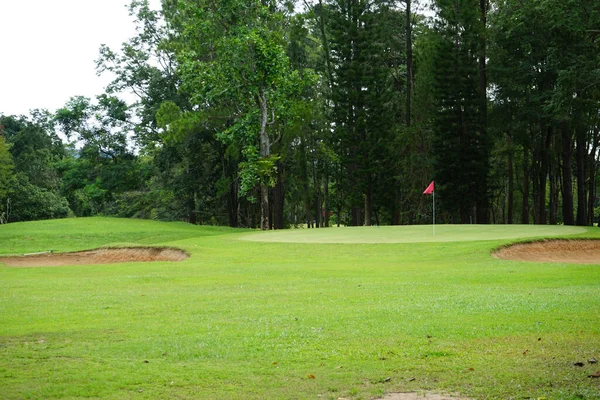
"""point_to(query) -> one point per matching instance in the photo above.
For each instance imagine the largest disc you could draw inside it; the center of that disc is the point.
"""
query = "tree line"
(270, 114)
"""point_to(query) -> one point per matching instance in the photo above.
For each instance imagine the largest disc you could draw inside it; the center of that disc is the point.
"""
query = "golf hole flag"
(431, 190)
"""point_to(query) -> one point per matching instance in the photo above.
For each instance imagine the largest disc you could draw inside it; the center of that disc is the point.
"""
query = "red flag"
(429, 189)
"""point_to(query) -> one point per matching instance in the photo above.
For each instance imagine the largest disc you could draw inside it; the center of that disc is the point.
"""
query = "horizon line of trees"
(250, 113)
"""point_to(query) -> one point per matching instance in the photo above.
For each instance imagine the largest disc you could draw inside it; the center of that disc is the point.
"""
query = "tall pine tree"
(461, 144)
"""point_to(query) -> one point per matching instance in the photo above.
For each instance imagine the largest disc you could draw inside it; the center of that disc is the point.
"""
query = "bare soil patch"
(98, 256)
(566, 251)
(420, 396)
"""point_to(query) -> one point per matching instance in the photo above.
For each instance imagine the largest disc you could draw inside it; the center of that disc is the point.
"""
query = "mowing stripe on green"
(413, 233)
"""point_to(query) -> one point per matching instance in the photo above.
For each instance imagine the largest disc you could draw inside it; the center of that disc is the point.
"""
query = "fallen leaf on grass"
(596, 375)
(592, 361)
(579, 364)
(412, 379)
(310, 376)
(146, 361)
(471, 369)
(525, 352)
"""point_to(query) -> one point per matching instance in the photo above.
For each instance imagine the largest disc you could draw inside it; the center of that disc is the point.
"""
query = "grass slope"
(257, 320)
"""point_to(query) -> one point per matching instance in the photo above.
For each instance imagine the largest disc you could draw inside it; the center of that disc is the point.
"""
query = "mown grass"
(268, 320)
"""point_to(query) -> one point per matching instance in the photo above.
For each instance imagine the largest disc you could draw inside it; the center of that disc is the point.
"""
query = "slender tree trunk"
(368, 205)
(317, 190)
(233, 206)
(581, 155)
(554, 189)
(535, 183)
(525, 206)
(592, 180)
(511, 183)
(306, 194)
(318, 212)
(326, 196)
(567, 175)
(543, 176)
(278, 199)
(340, 195)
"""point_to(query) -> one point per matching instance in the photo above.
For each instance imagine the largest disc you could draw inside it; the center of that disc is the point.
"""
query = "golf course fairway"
(338, 313)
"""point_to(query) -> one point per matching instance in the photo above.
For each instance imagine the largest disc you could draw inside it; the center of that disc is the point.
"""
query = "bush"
(30, 202)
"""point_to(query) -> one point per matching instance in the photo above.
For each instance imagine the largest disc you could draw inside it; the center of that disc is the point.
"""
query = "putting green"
(413, 233)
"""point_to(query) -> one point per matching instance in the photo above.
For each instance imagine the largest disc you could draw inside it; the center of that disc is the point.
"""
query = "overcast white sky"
(48, 49)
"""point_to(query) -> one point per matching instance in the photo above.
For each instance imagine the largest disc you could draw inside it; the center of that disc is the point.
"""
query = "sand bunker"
(565, 251)
(98, 256)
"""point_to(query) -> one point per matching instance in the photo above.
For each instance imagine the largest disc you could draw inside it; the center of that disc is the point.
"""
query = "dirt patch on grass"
(566, 251)
(420, 396)
(98, 256)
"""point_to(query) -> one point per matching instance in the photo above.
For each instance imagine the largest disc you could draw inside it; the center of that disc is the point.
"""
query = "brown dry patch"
(98, 256)
(566, 251)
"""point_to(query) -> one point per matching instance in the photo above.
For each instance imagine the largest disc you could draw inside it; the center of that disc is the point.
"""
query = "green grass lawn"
(278, 319)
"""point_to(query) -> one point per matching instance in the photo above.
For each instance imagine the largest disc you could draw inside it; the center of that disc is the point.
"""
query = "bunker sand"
(98, 256)
(564, 251)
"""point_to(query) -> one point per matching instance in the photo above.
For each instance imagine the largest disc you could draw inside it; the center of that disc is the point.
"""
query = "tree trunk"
(326, 197)
(543, 176)
(278, 200)
(511, 184)
(554, 189)
(525, 206)
(357, 216)
(592, 175)
(581, 155)
(265, 152)
(233, 205)
(567, 175)
(368, 206)
(317, 191)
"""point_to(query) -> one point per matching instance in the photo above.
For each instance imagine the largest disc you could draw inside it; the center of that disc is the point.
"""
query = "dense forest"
(271, 114)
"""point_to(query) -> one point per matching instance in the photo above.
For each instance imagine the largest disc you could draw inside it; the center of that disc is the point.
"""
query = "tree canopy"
(270, 114)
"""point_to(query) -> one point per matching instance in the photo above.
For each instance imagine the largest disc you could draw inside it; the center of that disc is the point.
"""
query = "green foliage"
(30, 202)
(6, 171)
(35, 147)
(310, 112)
(234, 65)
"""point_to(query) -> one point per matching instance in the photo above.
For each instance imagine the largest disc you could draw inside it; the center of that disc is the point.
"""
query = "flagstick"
(434, 213)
